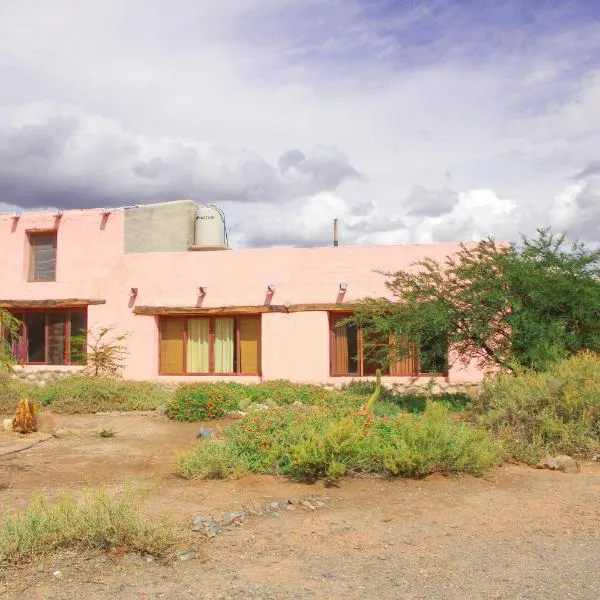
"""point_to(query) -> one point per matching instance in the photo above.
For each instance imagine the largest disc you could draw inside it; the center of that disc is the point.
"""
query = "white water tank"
(210, 232)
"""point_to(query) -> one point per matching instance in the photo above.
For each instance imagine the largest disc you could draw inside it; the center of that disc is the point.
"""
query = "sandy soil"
(519, 534)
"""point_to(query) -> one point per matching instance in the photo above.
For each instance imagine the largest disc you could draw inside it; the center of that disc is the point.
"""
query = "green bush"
(211, 459)
(554, 412)
(98, 520)
(282, 392)
(80, 394)
(203, 401)
(332, 441)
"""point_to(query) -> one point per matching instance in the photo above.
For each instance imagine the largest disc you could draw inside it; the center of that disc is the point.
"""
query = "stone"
(562, 463)
(566, 464)
(204, 433)
(213, 529)
(188, 555)
(548, 462)
(199, 522)
(7, 424)
(306, 504)
(57, 574)
(161, 411)
(231, 517)
(206, 525)
(59, 432)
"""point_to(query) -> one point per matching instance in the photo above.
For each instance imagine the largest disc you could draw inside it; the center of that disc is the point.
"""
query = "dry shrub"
(25, 421)
(97, 520)
(556, 412)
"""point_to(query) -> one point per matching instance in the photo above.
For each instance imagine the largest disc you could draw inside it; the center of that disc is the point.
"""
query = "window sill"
(32, 368)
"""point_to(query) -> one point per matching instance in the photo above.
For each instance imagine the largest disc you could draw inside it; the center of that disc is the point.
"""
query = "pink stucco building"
(246, 315)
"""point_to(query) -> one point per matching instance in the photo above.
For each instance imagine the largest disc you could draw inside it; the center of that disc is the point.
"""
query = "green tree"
(9, 331)
(509, 305)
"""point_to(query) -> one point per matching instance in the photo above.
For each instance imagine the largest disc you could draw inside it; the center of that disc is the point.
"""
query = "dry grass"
(97, 520)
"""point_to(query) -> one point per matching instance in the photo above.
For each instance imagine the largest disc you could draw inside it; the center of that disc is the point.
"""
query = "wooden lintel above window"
(62, 303)
(234, 310)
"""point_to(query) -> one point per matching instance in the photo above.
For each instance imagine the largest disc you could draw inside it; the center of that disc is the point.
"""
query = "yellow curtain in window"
(224, 345)
(197, 346)
(249, 328)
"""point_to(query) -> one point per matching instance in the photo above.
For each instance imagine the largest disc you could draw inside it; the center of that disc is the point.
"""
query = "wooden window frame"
(361, 358)
(24, 340)
(31, 254)
(211, 346)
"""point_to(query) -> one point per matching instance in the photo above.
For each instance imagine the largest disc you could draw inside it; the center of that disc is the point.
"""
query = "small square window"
(42, 256)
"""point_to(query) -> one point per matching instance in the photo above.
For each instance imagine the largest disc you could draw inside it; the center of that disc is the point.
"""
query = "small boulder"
(204, 433)
(548, 462)
(562, 462)
(566, 464)
(231, 517)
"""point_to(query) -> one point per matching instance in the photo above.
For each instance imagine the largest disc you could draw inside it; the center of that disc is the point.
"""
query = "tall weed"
(557, 411)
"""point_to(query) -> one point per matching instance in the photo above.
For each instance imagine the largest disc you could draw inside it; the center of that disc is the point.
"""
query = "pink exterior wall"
(91, 265)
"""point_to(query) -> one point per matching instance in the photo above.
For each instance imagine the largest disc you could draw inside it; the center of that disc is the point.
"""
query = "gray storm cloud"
(70, 162)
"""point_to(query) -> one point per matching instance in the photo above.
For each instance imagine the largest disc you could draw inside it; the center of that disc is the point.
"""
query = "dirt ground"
(521, 533)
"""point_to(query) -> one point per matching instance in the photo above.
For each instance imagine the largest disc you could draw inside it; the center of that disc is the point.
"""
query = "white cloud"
(458, 128)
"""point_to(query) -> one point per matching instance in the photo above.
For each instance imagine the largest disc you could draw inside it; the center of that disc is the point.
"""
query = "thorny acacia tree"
(512, 306)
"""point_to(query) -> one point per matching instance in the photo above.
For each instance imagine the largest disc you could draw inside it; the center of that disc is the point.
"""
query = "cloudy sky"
(410, 121)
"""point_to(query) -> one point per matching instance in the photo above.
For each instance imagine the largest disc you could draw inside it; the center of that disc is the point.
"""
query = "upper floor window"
(207, 345)
(42, 256)
(348, 355)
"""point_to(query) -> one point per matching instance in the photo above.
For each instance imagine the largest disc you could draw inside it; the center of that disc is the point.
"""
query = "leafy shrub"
(98, 520)
(330, 442)
(79, 394)
(202, 401)
(211, 459)
(556, 411)
(282, 392)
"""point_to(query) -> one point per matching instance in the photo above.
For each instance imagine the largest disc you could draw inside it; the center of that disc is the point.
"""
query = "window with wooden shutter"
(172, 345)
(210, 345)
(42, 256)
